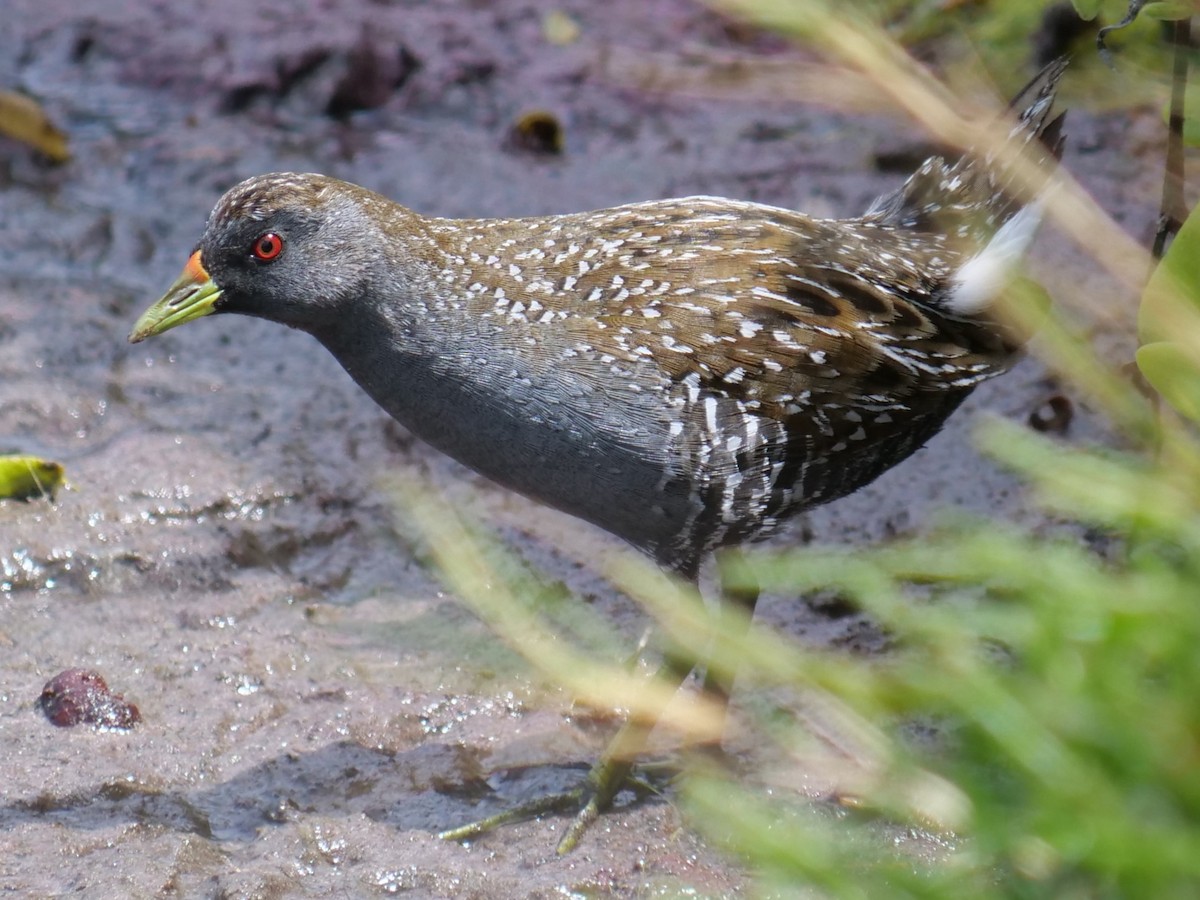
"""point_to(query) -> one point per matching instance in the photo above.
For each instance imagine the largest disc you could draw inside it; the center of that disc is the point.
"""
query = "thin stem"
(1174, 210)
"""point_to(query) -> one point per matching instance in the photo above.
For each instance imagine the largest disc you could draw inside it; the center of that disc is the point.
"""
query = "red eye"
(268, 246)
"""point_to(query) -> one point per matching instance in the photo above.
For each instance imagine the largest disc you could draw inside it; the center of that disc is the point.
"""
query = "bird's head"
(286, 247)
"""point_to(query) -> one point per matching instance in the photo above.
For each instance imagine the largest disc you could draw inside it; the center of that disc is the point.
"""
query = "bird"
(686, 374)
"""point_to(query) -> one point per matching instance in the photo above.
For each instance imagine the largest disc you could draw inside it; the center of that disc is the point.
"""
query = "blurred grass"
(1051, 672)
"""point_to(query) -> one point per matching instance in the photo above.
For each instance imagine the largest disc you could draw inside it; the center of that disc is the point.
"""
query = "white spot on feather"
(710, 414)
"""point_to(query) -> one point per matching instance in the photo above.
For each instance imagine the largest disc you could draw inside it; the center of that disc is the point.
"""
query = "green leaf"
(1170, 307)
(1191, 113)
(26, 477)
(1174, 374)
(1169, 10)
(1087, 9)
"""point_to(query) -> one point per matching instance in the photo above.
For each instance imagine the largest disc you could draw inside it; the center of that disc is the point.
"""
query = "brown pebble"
(81, 697)
(1054, 414)
(539, 132)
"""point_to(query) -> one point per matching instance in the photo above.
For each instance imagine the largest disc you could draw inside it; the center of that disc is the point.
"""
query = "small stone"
(81, 697)
(1053, 415)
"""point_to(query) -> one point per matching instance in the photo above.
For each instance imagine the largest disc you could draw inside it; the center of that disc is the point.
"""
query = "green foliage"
(1063, 668)
(1191, 114)
(1173, 373)
(1169, 323)
(1167, 10)
(27, 477)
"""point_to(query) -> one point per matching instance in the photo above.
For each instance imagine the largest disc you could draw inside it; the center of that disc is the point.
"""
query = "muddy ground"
(229, 556)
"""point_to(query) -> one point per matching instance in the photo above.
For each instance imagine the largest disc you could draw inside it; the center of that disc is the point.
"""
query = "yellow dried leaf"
(559, 28)
(25, 120)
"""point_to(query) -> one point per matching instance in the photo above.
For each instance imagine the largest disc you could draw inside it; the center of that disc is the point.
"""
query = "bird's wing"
(779, 309)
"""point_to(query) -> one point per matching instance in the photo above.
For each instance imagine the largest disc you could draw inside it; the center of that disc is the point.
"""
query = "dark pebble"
(1053, 415)
(538, 132)
(81, 697)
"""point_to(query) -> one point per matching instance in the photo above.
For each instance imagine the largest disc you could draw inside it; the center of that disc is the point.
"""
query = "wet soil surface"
(230, 556)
